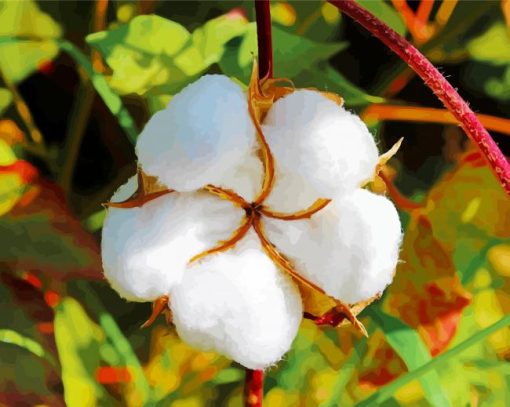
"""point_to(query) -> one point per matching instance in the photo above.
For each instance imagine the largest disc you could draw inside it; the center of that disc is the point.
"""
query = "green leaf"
(327, 78)
(293, 53)
(24, 18)
(5, 100)
(7, 156)
(95, 221)
(346, 373)
(290, 53)
(228, 375)
(387, 391)
(64, 249)
(386, 13)
(111, 99)
(118, 340)
(493, 46)
(210, 39)
(154, 54)
(141, 53)
(14, 338)
(409, 346)
(78, 342)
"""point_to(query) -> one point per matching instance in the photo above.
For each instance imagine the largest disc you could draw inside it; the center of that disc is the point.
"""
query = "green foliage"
(12, 337)
(78, 340)
(24, 19)
(143, 59)
(5, 100)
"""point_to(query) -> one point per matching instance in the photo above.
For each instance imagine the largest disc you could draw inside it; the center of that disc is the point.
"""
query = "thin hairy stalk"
(253, 388)
(225, 245)
(437, 83)
(304, 214)
(264, 38)
(430, 115)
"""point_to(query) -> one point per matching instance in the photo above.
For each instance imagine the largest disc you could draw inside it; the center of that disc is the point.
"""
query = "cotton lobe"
(145, 250)
(321, 150)
(203, 134)
(239, 304)
(350, 248)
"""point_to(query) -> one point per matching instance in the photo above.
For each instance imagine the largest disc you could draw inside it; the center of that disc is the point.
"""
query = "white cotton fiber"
(203, 134)
(326, 149)
(247, 178)
(350, 248)
(145, 250)
(239, 304)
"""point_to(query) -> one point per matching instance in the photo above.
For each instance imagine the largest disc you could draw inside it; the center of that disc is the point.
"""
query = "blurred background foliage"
(78, 82)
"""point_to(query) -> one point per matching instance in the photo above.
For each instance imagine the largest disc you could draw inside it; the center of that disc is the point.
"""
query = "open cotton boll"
(204, 133)
(239, 304)
(145, 250)
(319, 142)
(350, 248)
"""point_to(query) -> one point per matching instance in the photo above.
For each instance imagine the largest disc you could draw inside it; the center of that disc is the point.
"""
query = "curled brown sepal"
(228, 195)
(225, 245)
(304, 214)
(148, 190)
(377, 183)
(158, 307)
(258, 105)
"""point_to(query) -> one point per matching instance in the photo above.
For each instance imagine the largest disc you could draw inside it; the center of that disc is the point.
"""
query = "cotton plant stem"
(264, 38)
(437, 83)
(253, 388)
(83, 106)
(254, 380)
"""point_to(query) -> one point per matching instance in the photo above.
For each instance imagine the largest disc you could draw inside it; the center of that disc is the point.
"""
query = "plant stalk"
(254, 380)
(437, 83)
(264, 38)
(253, 388)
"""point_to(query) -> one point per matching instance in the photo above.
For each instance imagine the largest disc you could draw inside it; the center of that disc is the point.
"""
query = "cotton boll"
(350, 248)
(203, 134)
(328, 149)
(145, 250)
(239, 304)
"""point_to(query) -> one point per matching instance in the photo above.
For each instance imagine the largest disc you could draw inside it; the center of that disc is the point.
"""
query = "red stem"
(254, 380)
(265, 44)
(253, 388)
(435, 81)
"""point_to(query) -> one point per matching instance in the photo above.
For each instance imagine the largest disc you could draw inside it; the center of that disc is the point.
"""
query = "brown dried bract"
(148, 189)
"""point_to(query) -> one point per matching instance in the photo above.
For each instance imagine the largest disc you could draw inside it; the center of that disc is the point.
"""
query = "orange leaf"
(427, 293)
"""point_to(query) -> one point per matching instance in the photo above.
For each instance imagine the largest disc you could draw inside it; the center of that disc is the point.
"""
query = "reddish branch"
(254, 381)
(253, 388)
(437, 83)
(265, 44)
